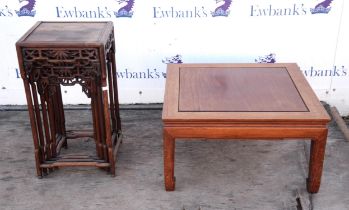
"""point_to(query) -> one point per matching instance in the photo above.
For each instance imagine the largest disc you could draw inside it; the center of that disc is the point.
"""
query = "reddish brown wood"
(237, 89)
(169, 155)
(242, 101)
(55, 54)
(317, 154)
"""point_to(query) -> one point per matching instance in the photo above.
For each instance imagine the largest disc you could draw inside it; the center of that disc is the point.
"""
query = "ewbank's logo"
(27, 9)
(174, 59)
(125, 11)
(323, 7)
(271, 58)
(222, 10)
(292, 9)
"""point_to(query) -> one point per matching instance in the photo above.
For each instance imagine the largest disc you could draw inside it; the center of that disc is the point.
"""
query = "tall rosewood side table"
(52, 54)
(242, 101)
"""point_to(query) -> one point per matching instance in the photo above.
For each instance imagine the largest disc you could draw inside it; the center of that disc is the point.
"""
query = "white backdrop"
(156, 32)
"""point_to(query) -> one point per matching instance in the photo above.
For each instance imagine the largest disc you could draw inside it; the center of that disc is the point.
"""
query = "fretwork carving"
(51, 67)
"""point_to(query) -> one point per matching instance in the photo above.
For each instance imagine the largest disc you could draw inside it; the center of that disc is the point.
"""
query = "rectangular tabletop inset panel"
(67, 32)
(224, 89)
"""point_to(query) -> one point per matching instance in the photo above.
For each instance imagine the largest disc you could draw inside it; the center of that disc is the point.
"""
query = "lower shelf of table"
(76, 160)
(66, 161)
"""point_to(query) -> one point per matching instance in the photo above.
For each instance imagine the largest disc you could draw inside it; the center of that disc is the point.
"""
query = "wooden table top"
(240, 92)
(66, 34)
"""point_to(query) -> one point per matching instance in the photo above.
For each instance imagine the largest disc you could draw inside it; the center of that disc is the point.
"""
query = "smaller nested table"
(52, 54)
(242, 101)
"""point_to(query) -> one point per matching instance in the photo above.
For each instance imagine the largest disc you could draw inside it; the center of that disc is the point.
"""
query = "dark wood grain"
(55, 54)
(64, 32)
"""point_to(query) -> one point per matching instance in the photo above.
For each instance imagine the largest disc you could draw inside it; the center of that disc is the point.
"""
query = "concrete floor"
(210, 174)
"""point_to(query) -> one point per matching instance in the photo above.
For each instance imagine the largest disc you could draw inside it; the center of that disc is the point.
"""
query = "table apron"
(246, 132)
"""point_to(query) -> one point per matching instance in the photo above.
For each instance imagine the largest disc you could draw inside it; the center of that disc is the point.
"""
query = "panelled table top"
(66, 33)
(242, 101)
(239, 92)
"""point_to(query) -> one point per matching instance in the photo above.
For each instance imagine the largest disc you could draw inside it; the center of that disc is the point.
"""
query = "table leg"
(169, 153)
(39, 125)
(37, 151)
(317, 153)
(60, 114)
(111, 92)
(96, 129)
(108, 131)
(115, 84)
(51, 116)
(101, 124)
(48, 144)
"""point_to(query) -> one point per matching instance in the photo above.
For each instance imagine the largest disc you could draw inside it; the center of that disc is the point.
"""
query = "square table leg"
(317, 154)
(169, 155)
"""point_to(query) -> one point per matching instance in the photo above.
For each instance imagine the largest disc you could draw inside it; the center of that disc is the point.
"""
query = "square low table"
(242, 101)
